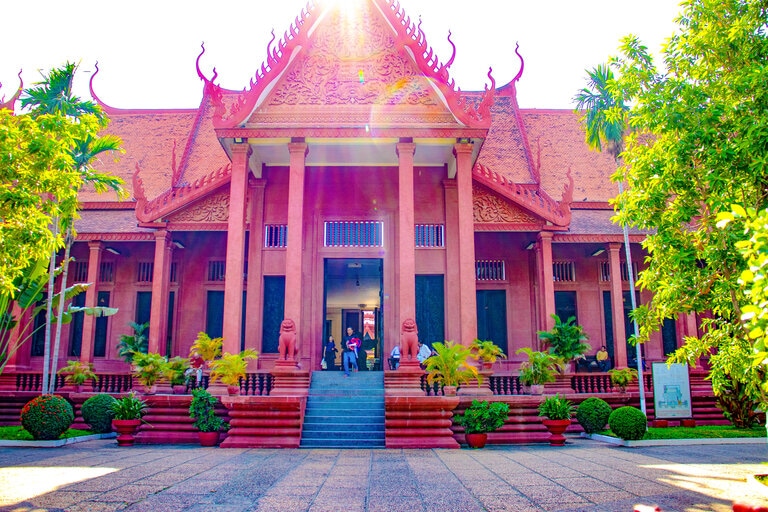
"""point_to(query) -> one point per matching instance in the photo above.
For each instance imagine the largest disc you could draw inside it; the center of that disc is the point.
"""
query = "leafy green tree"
(53, 97)
(696, 141)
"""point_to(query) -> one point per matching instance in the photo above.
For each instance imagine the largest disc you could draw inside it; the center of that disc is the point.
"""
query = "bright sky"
(146, 49)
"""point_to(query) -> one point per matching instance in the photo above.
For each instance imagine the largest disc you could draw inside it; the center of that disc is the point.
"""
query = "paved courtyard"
(583, 475)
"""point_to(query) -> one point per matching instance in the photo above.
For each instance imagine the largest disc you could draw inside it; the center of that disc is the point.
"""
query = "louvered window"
(564, 271)
(216, 270)
(490, 270)
(80, 271)
(430, 235)
(106, 272)
(145, 271)
(354, 234)
(275, 235)
(605, 271)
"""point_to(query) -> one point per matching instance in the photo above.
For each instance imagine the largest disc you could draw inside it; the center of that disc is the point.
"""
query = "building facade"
(351, 183)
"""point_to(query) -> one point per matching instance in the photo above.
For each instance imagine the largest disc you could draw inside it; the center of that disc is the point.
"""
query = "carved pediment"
(213, 208)
(352, 69)
(490, 208)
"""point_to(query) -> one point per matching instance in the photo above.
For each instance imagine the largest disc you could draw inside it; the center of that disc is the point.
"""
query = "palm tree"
(53, 95)
(604, 114)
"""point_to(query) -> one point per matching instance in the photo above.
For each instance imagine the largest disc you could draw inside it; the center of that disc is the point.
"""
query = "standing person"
(349, 351)
(330, 354)
(394, 358)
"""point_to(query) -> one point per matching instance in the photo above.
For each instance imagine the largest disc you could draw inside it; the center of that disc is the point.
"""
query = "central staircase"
(344, 412)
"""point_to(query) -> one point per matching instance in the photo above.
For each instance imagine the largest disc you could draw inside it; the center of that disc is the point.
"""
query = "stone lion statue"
(409, 340)
(287, 346)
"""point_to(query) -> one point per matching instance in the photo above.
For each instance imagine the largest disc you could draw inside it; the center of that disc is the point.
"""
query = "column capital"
(462, 147)
(95, 245)
(545, 235)
(614, 246)
(405, 149)
(298, 147)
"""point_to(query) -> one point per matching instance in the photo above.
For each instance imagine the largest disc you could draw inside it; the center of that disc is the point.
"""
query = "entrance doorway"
(353, 298)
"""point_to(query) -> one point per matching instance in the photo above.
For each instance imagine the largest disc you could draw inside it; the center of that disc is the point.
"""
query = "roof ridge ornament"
(11, 103)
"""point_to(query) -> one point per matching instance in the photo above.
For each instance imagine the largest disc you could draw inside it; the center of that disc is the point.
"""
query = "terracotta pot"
(233, 390)
(179, 389)
(556, 429)
(449, 390)
(208, 438)
(150, 390)
(486, 365)
(126, 430)
(534, 389)
(476, 440)
(660, 423)
(688, 423)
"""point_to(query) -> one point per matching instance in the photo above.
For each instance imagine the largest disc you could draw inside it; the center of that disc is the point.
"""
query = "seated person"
(394, 358)
(603, 359)
(424, 353)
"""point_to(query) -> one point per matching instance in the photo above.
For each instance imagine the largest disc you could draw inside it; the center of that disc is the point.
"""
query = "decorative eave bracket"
(532, 198)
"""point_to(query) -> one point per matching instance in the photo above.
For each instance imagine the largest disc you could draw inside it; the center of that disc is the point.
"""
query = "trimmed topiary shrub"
(97, 412)
(629, 423)
(46, 417)
(593, 414)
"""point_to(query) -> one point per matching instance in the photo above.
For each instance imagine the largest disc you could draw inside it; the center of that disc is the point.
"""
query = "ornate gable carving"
(214, 208)
(352, 69)
(490, 208)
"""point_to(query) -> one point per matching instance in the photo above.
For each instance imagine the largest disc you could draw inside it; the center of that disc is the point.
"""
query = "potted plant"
(135, 343)
(202, 410)
(622, 377)
(449, 366)
(77, 372)
(230, 368)
(208, 348)
(566, 341)
(148, 368)
(557, 411)
(128, 412)
(486, 352)
(536, 371)
(176, 373)
(479, 419)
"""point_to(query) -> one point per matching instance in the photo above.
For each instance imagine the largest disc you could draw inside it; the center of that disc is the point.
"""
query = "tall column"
(466, 222)
(452, 284)
(89, 321)
(617, 307)
(294, 254)
(158, 317)
(406, 245)
(547, 280)
(235, 259)
(253, 306)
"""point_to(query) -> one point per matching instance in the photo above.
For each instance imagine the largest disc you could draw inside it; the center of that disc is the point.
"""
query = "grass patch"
(700, 432)
(17, 433)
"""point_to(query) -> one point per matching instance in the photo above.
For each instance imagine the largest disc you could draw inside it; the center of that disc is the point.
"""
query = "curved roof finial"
(197, 63)
(522, 63)
(453, 55)
(11, 102)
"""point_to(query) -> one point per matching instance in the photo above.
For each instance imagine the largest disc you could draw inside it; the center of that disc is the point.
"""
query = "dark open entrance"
(352, 298)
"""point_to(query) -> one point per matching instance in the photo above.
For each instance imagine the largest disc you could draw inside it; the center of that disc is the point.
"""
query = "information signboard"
(671, 391)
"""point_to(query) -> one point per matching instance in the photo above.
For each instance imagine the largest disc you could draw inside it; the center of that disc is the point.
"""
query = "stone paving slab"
(584, 475)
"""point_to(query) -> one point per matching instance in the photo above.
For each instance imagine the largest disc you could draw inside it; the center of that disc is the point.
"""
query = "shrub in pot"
(566, 340)
(97, 413)
(537, 370)
(486, 352)
(202, 410)
(629, 423)
(230, 368)
(449, 366)
(77, 372)
(148, 369)
(558, 411)
(621, 378)
(46, 417)
(175, 372)
(135, 343)
(129, 412)
(593, 414)
(480, 418)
